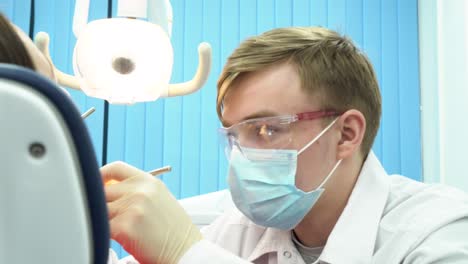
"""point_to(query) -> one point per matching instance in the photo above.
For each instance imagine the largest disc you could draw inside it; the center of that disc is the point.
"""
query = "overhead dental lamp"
(127, 59)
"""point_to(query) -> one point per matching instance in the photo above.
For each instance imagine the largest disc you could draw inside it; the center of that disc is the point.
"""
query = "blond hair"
(329, 65)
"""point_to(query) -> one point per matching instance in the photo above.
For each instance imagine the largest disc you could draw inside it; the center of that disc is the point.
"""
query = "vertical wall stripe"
(301, 13)
(18, 11)
(283, 13)
(209, 158)
(389, 86)
(318, 13)
(154, 136)
(230, 37)
(173, 106)
(373, 48)
(248, 23)
(191, 114)
(265, 15)
(410, 129)
(134, 134)
(337, 15)
(116, 135)
(354, 21)
(7, 7)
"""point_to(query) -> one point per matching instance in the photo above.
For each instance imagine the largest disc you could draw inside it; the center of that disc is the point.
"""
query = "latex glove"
(145, 218)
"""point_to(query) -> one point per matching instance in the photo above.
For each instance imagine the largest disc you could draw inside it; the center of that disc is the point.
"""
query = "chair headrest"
(50, 186)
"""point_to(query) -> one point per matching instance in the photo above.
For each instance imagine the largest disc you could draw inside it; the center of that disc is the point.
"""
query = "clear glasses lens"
(262, 133)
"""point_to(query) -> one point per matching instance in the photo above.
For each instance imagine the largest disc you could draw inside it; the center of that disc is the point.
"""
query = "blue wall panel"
(409, 104)
(354, 21)
(318, 13)
(300, 13)
(248, 23)
(230, 37)
(173, 106)
(283, 13)
(265, 16)
(209, 151)
(7, 7)
(372, 45)
(389, 85)
(191, 104)
(18, 11)
(337, 15)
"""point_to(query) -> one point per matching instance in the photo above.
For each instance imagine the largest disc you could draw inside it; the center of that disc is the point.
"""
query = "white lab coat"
(388, 219)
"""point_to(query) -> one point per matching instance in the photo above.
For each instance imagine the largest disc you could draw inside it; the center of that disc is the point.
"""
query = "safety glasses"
(267, 132)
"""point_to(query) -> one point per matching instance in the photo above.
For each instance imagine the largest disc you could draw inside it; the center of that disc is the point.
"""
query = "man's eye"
(266, 131)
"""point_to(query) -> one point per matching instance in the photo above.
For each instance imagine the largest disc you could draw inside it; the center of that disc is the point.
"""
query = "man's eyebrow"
(259, 114)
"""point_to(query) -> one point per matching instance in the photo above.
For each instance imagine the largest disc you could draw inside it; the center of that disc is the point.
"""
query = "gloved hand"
(145, 218)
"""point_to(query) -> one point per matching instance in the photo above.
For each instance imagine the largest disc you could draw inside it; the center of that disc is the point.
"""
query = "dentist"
(300, 109)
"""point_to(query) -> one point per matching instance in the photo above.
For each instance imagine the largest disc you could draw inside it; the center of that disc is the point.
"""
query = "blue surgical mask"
(263, 185)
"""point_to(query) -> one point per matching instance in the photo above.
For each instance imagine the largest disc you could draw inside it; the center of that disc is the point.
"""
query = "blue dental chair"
(52, 203)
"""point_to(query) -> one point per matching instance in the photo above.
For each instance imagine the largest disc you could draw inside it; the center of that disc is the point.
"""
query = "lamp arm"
(42, 41)
(200, 78)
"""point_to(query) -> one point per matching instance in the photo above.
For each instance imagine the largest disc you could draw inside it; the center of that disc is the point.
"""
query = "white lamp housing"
(123, 60)
(126, 60)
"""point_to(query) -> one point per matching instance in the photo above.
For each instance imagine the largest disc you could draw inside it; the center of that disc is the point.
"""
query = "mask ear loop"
(318, 136)
(329, 174)
(312, 142)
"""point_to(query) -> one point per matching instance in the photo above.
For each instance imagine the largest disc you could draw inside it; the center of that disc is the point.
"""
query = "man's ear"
(353, 127)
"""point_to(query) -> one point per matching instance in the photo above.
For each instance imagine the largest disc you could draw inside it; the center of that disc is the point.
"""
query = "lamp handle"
(200, 78)
(42, 43)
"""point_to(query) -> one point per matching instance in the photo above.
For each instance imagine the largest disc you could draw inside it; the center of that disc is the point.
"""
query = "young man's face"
(276, 90)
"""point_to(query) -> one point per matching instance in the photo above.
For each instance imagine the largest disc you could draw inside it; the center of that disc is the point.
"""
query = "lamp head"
(123, 60)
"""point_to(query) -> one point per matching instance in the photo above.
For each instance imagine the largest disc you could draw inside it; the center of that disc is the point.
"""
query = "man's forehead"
(273, 91)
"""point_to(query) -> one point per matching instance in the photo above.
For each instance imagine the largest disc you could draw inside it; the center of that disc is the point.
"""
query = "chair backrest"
(52, 203)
